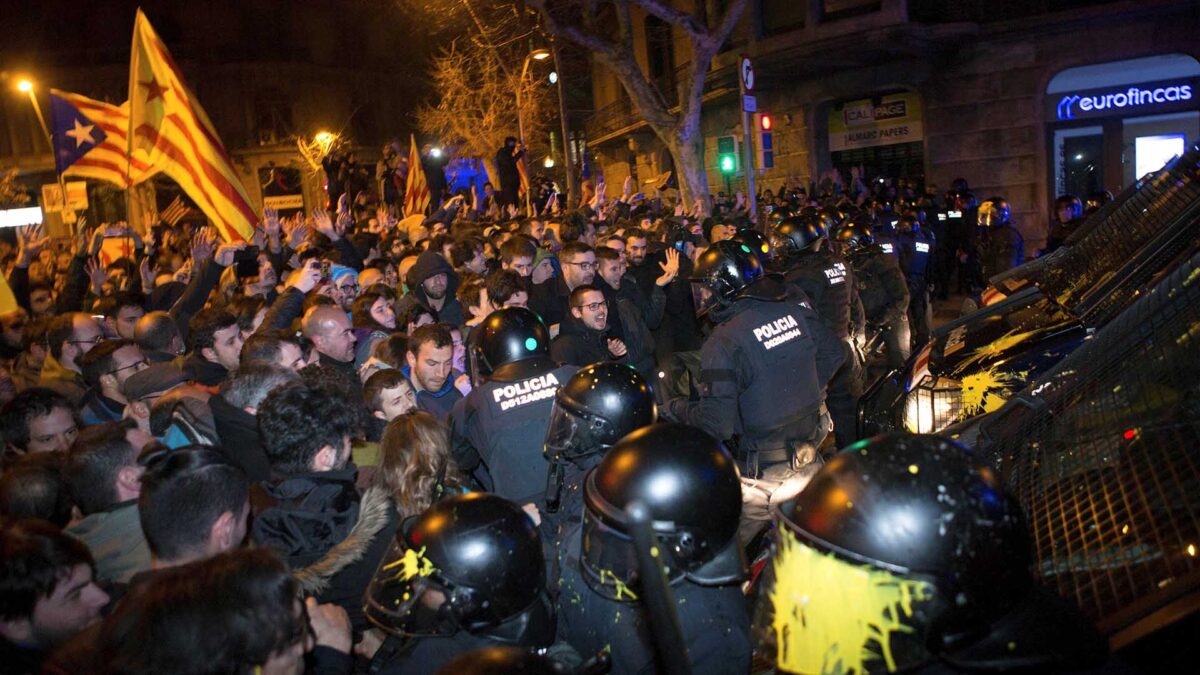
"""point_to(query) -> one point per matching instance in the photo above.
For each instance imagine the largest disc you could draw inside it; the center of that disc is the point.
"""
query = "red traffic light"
(764, 122)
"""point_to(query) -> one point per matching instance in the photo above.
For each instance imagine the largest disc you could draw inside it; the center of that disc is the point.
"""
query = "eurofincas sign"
(1165, 95)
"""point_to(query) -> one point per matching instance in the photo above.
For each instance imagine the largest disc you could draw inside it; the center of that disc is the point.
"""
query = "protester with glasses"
(584, 338)
(105, 369)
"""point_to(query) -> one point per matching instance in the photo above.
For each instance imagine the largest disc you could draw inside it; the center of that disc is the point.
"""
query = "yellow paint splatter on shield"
(987, 390)
(996, 347)
(831, 616)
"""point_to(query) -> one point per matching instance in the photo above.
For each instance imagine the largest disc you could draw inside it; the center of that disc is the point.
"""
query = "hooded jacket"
(329, 536)
(240, 442)
(429, 264)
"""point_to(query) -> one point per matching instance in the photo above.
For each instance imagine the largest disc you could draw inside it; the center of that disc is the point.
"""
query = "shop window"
(1079, 161)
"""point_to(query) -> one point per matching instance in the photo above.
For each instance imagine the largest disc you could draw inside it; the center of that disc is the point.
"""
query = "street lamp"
(535, 55)
(26, 87)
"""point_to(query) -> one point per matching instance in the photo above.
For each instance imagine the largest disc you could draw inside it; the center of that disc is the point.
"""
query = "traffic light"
(727, 162)
(766, 143)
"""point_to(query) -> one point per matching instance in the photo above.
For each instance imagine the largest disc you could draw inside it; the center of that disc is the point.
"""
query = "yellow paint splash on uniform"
(412, 564)
(618, 585)
(987, 390)
(831, 616)
(996, 347)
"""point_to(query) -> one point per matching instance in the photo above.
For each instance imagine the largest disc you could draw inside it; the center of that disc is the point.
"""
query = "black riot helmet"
(800, 235)
(780, 214)
(760, 245)
(994, 212)
(722, 274)
(510, 344)
(1096, 200)
(909, 222)
(689, 484)
(596, 407)
(1067, 208)
(902, 550)
(855, 235)
(479, 551)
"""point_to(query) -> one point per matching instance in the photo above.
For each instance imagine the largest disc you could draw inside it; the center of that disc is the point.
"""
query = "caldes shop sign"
(1119, 100)
(866, 123)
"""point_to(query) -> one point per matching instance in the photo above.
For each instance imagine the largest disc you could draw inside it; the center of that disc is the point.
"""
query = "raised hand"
(96, 274)
(271, 225)
(306, 278)
(296, 231)
(31, 239)
(670, 268)
(147, 274)
(204, 244)
(323, 224)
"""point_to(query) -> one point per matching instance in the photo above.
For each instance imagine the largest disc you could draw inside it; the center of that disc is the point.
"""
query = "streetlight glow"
(323, 137)
(548, 163)
(25, 86)
(539, 54)
(554, 77)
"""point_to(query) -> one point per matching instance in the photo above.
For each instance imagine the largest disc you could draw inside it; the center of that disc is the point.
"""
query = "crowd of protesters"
(209, 446)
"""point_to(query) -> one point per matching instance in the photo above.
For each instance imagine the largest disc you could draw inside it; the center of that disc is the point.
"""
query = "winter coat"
(578, 345)
(58, 378)
(329, 536)
(240, 442)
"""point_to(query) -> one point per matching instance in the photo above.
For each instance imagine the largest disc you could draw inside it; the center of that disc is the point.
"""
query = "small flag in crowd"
(90, 140)
(169, 125)
(416, 190)
(175, 212)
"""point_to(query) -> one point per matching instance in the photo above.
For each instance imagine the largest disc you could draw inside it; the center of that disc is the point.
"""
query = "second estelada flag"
(169, 126)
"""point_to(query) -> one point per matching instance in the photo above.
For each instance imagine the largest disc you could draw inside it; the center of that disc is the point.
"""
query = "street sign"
(749, 104)
(746, 71)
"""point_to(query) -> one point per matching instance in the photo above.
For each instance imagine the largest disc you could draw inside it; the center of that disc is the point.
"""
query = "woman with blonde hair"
(415, 466)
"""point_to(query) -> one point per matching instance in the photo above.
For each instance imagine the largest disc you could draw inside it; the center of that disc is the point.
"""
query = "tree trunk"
(688, 154)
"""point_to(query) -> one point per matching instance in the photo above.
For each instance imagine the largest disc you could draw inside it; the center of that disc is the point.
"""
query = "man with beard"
(430, 363)
(432, 282)
(331, 333)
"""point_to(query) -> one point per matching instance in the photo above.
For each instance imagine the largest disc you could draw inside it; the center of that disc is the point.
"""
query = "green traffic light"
(727, 164)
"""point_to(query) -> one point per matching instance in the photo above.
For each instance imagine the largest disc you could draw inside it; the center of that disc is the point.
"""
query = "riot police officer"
(592, 410)
(883, 290)
(764, 367)
(827, 279)
(922, 568)
(467, 573)
(688, 484)
(496, 431)
(1001, 246)
(917, 251)
(1068, 214)
(761, 246)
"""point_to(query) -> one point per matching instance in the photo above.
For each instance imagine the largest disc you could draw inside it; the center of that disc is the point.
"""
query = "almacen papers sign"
(866, 123)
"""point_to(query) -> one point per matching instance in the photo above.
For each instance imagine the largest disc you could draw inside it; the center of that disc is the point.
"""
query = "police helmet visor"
(571, 436)
(703, 298)
(406, 597)
(819, 613)
(609, 562)
(478, 366)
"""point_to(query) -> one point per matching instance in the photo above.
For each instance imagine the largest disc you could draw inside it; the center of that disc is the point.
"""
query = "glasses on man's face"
(348, 289)
(91, 341)
(593, 306)
(585, 265)
(138, 365)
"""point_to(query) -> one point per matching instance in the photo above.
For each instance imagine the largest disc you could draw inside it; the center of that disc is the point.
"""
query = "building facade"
(1026, 99)
(266, 73)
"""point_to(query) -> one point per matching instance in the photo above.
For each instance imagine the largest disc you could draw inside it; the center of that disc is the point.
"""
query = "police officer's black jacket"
(1001, 249)
(881, 286)
(828, 281)
(916, 255)
(502, 424)
(763, 371)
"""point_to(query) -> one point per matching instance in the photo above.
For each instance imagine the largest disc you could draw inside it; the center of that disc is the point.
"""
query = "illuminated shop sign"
(1165, 95)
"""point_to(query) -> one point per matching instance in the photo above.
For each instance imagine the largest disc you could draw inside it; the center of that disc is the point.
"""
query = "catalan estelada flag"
(91, 141)
(167, 123)
(416, 190)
